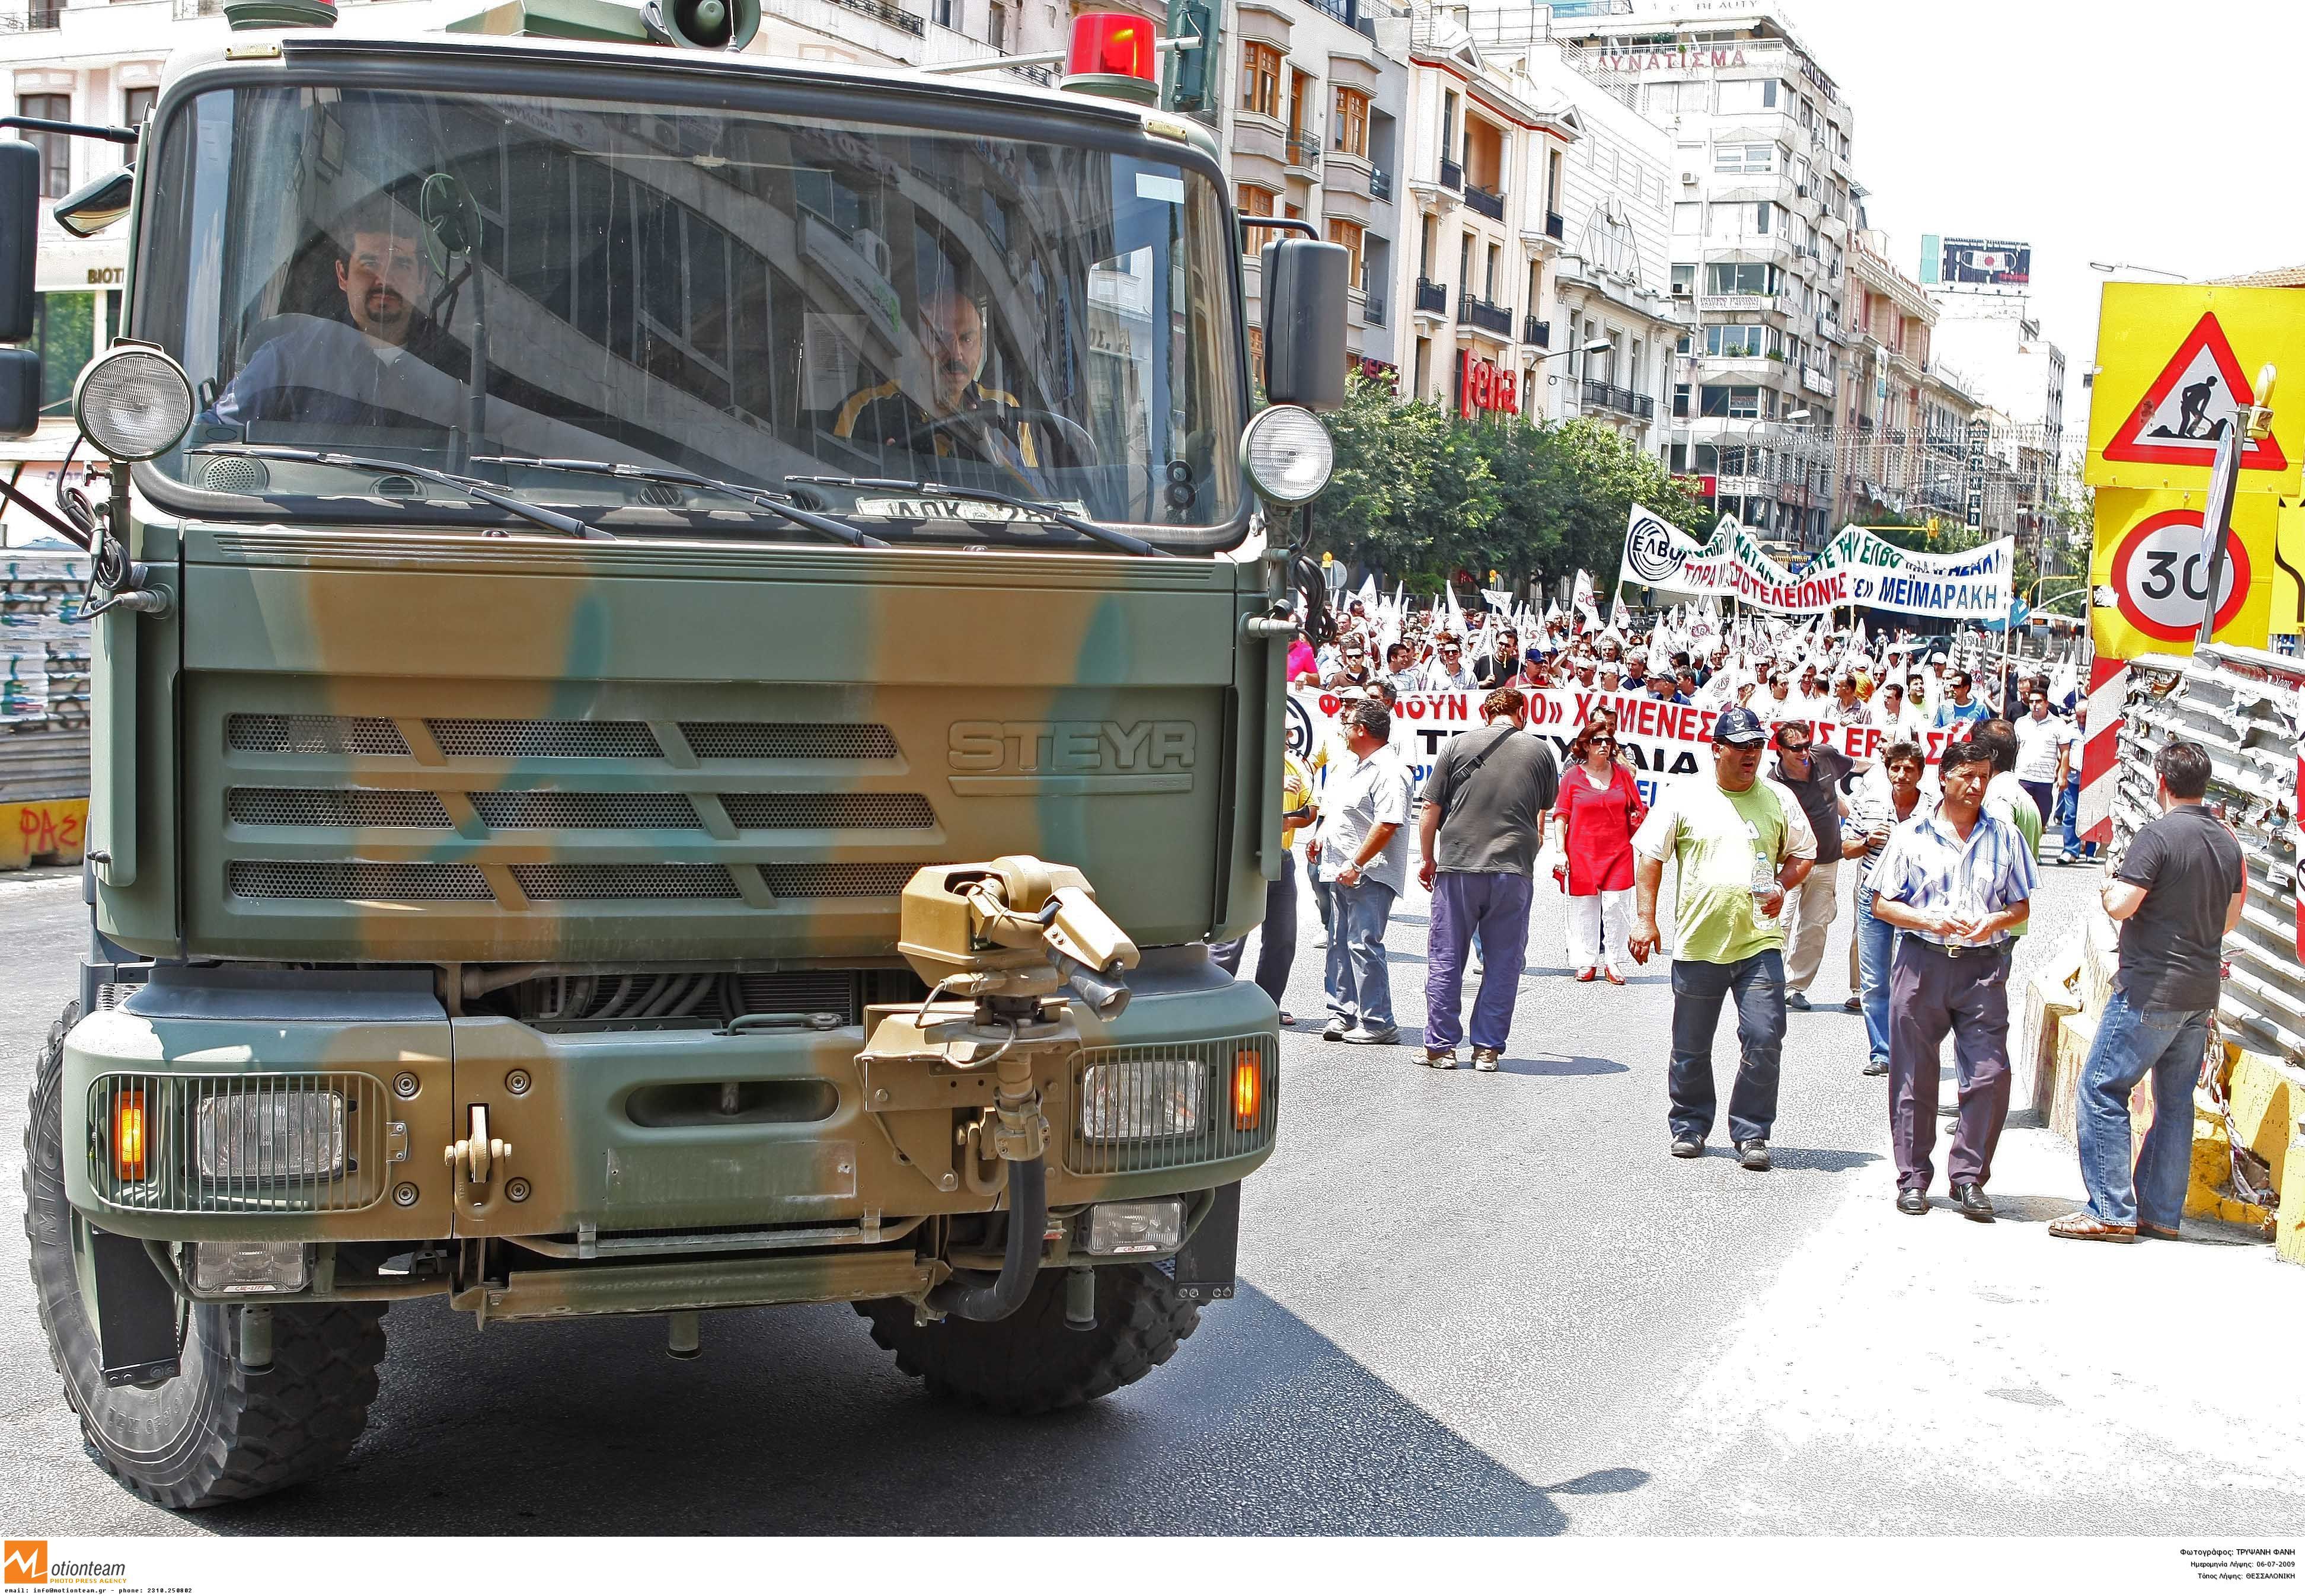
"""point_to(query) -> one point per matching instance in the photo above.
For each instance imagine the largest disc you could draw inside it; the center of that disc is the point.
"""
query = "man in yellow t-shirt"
(1740, 844)
(1278, 951)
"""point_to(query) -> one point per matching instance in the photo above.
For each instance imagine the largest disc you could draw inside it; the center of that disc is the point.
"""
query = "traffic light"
(1192, 72)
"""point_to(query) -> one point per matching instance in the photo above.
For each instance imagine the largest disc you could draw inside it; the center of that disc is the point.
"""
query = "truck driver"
(968, 418)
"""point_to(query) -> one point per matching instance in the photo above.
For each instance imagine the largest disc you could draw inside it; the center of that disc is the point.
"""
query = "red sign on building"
(1483, 385)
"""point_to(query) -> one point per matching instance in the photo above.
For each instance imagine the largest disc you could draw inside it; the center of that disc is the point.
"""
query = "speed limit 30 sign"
(2160, 576)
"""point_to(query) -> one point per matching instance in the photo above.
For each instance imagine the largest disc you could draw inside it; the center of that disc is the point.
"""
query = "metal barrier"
(2247, 708)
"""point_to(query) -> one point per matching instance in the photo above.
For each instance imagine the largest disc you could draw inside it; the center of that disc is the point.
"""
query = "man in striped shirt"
(1955, 881)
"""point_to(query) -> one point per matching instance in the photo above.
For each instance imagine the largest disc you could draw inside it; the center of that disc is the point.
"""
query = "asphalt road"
(1469, 1305)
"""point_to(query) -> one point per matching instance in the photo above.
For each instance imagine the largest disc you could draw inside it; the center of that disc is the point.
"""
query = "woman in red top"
(1599, 807)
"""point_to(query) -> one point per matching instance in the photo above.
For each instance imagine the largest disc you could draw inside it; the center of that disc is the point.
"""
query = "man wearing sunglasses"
(1448, 672)
(1813, 775)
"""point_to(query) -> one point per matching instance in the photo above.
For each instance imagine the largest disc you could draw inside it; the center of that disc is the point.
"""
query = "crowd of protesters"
(1942, 860)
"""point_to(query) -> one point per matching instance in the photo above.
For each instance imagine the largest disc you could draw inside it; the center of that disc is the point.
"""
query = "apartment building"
(1762, 207)
(1483, 164)
(1310, 118)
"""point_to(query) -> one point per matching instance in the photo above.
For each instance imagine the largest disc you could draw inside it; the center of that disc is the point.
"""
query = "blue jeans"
(1698, 990)
(1877, 944)
(2069, 811)
(1494, 905)
(1359, 985)
(2131, 1043)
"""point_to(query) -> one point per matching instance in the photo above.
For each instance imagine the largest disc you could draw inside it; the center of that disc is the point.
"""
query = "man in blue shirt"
(1961, 708)
(1956, 881)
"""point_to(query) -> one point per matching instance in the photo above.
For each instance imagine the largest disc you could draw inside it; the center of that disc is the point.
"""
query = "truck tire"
(216, 1432)
(1029, 1362)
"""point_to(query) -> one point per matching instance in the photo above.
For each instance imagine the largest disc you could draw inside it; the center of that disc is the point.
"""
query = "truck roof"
(254, 47)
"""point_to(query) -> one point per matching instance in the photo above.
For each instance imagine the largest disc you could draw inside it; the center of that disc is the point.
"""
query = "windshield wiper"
(828, 526)
(1053, 513)
(551, 521)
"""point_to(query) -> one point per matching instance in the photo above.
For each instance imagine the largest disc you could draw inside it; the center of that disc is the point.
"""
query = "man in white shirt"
(1361, 848)
(2045, 750)
(1449, 672)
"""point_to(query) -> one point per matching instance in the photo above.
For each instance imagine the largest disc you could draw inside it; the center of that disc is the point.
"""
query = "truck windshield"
(453, 280)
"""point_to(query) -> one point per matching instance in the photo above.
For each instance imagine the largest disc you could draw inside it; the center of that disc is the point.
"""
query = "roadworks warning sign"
(2176, 365)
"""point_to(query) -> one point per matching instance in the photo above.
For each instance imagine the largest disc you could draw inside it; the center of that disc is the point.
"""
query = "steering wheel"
(1079, 442)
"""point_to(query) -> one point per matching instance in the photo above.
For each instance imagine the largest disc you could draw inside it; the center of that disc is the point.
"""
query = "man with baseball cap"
(1740, 843)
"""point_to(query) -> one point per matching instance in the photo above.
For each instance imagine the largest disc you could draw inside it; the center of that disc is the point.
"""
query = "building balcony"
(1497, 320)
(1602, 395)
(1452, 176)
(1432, 297)
(1536, 333)
(1372, 310)
(42, 16)
(879, 11)
(1380, 184)
(1488, 202)
(1303, 151)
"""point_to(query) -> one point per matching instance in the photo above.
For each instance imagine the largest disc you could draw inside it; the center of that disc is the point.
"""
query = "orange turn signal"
(1247, 1090)
(128, 1135)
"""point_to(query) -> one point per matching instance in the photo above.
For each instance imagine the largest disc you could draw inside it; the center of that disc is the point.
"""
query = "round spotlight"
(132, 402)
(1287, 455)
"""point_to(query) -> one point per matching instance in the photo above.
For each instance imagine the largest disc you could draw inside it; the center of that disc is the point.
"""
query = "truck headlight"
(230, 1268)
(133, 402)
(1288, 453)
(1156, 1226)
(1142, 1097)
(270, 1135)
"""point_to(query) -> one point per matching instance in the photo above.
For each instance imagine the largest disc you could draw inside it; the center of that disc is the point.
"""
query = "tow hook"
(478, 1153)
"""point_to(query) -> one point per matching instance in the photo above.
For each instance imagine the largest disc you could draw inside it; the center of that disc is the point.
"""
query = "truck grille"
(389, 881)
(641, 791)
(314, 733)
(216, 1145)
(338, 806)
(1161, 1107)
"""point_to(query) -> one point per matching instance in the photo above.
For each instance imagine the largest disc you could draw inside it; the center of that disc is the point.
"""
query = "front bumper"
(605, 1133)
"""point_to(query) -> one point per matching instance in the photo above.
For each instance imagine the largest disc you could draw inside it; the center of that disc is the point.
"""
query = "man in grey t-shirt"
(1482, 824)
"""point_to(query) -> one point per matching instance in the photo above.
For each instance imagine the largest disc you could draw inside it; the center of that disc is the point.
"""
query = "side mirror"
(19, 232)
(20, 392)
(89, 209)
(1303, 284)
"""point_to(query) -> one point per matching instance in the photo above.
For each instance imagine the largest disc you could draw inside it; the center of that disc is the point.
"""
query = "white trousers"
(1600, 928)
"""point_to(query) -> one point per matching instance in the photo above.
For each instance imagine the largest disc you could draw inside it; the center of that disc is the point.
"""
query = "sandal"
(1614, 978)
(1587, 973)
(2085, 1227)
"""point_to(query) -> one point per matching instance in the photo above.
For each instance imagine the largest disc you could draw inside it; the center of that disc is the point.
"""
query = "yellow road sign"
(2149, 554)
(2175, 365)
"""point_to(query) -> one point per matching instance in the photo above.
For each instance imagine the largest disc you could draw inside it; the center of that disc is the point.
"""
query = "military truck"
(680, 688)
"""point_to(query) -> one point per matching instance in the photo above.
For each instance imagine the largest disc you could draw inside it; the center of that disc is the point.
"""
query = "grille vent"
(352, 806)
(314, 733)
(602, 810)
(547, 739)
(799, 991)
(788, 739)
(556, 883)
(774, 812)
(356, 878)
(838, 881)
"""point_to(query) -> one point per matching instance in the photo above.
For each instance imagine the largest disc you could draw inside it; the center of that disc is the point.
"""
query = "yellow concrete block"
(53, 830)
(2289, 1237)
(2265, 1104)
(2212, 1174)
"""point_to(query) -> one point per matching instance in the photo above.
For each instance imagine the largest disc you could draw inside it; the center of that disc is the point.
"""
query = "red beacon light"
(1113, 52)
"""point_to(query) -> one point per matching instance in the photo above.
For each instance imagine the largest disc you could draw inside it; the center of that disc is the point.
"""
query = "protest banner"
(1858, 568)
(1664, 742)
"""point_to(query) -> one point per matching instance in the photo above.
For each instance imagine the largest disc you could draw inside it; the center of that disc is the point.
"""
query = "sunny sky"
(2087, 128)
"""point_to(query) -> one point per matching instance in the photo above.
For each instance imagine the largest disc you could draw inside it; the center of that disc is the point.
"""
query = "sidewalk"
(1907, 1375)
